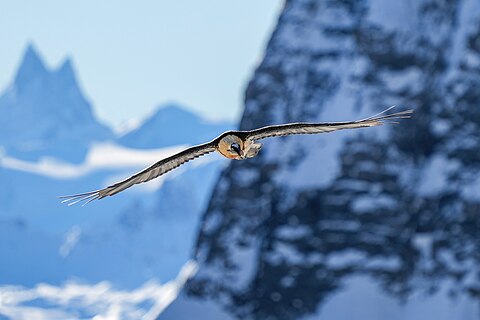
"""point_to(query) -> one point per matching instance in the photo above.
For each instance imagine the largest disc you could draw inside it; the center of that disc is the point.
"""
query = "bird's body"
(236, 145)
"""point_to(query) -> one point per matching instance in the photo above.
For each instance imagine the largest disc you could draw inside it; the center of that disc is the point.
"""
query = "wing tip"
(86, 198)
(382, 118)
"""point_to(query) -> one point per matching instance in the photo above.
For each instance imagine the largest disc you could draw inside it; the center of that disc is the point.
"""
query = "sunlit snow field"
(99, 301)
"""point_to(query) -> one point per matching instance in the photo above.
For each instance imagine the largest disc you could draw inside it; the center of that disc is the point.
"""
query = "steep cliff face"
(399, 204)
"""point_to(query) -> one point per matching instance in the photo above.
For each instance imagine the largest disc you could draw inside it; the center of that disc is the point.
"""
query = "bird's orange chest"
(229, 156)
(223, 151)
(224, 146)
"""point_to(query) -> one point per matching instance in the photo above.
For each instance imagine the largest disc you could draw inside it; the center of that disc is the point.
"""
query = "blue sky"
(131, 56)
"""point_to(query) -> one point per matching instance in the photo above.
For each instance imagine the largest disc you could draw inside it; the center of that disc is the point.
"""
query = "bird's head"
(232, 147)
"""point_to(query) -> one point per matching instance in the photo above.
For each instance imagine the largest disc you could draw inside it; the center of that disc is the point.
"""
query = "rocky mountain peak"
(390, 204)
(32, 68)
(45, 113)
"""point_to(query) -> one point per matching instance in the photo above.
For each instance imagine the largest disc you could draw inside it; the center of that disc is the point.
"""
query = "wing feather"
(152, 172)
(313, 128)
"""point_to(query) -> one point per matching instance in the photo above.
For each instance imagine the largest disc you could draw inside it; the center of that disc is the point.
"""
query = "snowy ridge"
(100, 156)
(99, 301)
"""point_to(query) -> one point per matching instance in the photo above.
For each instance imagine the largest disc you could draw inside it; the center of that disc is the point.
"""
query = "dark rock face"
(400, 204)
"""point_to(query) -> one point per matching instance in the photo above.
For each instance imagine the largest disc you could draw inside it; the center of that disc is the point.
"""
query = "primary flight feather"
(238, 145)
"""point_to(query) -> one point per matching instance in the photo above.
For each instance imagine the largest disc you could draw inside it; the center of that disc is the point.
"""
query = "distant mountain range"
(54, 145)
(44, 113)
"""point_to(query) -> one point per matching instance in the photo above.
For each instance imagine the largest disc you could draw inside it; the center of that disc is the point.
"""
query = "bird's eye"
(235, 147)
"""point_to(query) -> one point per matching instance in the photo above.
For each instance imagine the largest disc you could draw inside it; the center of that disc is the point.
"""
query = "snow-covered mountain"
(367, 224)
(173, 125)
(44, 113)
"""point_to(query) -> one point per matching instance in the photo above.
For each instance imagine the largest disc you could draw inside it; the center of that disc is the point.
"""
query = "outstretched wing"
(150, 173)
(311, 128)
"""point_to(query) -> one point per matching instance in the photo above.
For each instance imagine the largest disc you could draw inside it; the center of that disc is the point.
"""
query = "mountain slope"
(173, 125)
(398, 205)
(44, 113)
